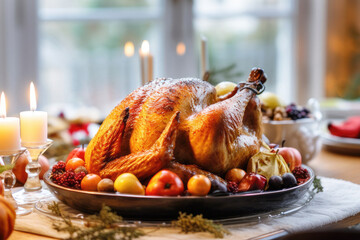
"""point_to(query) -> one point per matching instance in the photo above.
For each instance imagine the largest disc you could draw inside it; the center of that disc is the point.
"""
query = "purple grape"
(295, 112)
(275, 183)
(289, 180)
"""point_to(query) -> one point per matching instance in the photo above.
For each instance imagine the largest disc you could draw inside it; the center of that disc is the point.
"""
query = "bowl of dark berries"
(293, 125)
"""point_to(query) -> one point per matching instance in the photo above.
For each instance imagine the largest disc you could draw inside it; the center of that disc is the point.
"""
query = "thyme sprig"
(317, 186)
(101, 226)
(189, 223)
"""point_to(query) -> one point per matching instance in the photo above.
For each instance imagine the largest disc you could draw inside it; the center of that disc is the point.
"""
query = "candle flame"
(32, 97)
(180, 48)
(129, 49)
(145, 47)
(2, 106)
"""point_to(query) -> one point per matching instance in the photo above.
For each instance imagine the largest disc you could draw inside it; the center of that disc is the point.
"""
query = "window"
(74, 50)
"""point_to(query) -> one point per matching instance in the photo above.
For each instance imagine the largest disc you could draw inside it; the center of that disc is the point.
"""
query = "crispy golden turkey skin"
(179, 119)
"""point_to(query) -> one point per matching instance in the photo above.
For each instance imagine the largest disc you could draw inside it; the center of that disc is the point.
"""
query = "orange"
(90, 182)
(74, 163)
(199, 185)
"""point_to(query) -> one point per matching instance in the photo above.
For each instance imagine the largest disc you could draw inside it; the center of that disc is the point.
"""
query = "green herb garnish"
(317, 185)
(189, 223)
(105, 225)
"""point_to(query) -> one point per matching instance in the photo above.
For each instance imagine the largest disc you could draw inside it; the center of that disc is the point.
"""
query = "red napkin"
(350, 128)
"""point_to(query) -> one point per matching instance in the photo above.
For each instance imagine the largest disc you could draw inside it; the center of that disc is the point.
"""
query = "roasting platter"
(165, 208)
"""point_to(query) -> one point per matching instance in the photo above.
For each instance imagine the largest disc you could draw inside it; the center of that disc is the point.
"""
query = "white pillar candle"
(33, 127)
(33, 124)
(9, 130)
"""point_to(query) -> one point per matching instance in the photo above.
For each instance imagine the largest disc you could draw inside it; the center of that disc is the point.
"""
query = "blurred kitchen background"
(74, 50)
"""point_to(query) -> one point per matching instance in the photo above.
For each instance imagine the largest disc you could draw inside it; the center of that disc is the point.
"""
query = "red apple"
(76, 153)
(252, 181)
(1, 188)
(291, 156)
(20, 165)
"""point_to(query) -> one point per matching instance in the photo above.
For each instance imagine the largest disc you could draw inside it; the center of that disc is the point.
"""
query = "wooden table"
(326, 164)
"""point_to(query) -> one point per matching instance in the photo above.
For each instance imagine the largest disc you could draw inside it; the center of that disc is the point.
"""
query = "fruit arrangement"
(273, 108)
(276, 168)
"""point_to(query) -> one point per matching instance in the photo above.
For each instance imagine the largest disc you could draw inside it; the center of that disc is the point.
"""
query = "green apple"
(224, 88)
(270, 100)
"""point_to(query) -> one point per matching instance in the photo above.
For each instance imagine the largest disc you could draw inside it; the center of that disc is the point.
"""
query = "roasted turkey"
(181, 120)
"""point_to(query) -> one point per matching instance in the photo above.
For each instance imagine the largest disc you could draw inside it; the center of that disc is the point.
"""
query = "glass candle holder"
(33, 190)
(9, 178)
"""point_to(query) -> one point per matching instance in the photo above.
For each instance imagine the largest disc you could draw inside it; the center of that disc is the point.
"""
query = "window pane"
(83, 62)
(241, 42)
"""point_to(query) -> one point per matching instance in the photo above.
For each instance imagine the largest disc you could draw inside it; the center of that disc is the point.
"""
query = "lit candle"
(131, 66)
(180, 49)
(9, 130)
(203, 56)
(146, 62)
(33, 124)
(129, 49)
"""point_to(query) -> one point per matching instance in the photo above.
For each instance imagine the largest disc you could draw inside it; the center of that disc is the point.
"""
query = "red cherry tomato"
(291, 156)
(165, 183)
(76, 153)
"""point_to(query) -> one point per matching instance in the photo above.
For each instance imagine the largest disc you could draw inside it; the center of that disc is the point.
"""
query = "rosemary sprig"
(101, 226)
(189, 223)
(317, 185)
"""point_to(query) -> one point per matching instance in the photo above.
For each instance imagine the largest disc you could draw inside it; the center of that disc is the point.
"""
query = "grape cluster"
(296, 112)
(66, 178)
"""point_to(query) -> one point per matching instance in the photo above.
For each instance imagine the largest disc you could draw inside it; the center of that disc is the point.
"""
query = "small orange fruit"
(90, 182)
(199, 185)
(73, 163)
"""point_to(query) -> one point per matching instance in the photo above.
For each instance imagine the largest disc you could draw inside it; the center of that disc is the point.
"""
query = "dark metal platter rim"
(48, 181)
